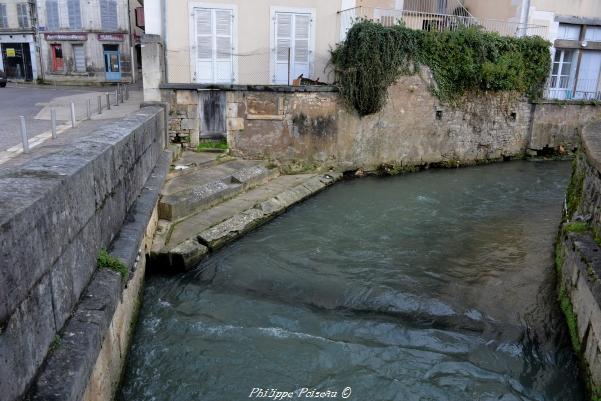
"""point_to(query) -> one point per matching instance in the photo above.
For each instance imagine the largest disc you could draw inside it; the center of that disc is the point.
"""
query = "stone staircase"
(211, 199)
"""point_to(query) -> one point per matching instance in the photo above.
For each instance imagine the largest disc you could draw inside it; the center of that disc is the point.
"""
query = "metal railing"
(425, 20)
(582, 89)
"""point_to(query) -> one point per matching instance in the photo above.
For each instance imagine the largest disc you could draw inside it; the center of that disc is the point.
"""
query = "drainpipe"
(524, 16)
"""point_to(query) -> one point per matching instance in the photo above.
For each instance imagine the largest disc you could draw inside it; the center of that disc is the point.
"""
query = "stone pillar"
(153, 72)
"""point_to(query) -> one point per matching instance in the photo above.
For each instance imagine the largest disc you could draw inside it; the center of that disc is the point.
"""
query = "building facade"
(573, 28)
(245, 42)
(18, 40)
(85, 41)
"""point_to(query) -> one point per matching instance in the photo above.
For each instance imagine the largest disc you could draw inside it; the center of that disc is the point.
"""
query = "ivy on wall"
(373, 57)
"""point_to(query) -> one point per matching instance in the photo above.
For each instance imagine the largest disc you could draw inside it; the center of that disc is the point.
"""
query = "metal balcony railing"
(424, 15)
(582, 89)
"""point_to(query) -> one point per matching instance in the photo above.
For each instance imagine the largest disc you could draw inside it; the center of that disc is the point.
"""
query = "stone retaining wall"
(56, 212)
(313, 127)
(578, 256)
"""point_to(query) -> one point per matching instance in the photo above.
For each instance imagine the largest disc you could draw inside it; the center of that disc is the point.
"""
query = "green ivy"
(373, 57)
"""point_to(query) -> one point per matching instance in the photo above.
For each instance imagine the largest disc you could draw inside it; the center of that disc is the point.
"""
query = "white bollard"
(24, 135)
(73, 114)
(53, 121)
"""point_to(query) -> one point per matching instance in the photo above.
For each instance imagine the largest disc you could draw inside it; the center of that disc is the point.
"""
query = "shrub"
(466, 59)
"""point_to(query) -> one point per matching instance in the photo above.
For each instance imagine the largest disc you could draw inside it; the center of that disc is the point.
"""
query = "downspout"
(524, 17)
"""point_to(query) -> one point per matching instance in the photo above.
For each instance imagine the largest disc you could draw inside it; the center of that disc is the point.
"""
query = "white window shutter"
(283, 46)
(302, 56)
(204, 45)
(224, 72)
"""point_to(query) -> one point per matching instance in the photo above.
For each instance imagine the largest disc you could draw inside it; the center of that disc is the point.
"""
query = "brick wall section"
(56, 212)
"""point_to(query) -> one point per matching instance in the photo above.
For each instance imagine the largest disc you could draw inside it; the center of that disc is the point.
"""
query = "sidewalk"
(62, 106)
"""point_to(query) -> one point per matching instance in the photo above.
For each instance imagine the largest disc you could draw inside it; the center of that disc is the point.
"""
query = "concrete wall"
(56, 212)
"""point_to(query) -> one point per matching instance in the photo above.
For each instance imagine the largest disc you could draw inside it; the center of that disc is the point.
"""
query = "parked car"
(2, 79)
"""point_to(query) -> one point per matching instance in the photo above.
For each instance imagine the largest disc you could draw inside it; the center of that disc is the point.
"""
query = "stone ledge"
(591, 143)
(66, 373)
(251, 88)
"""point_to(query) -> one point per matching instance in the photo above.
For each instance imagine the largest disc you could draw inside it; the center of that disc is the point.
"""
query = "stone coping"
(68, 367)
(591, 143)
(251, 88)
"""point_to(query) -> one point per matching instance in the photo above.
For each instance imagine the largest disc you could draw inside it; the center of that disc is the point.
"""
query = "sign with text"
(66, 36)
(110, 37)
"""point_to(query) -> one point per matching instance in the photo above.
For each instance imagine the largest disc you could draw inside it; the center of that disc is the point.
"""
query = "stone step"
(183, 245)
(203, 188)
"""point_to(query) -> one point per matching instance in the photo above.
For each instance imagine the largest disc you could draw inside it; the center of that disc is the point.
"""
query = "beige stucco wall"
(507, 10)
(253, 20)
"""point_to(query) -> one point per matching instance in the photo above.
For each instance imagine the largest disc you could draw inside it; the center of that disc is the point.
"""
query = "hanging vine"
(373, 57)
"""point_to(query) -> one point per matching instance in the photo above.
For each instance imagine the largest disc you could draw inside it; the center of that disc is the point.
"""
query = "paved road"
(29, 101)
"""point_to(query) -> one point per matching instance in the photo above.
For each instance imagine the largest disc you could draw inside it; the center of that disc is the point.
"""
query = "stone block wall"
(579, 254)
(56, 212)
(559, 123)
(414, 128)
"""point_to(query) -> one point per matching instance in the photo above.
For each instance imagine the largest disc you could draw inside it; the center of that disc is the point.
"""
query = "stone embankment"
(208, 201)
(578, 256)
(64, 323)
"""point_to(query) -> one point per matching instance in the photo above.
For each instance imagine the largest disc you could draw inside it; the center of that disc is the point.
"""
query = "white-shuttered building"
(86, 41)
(259, 42)
(17, 40)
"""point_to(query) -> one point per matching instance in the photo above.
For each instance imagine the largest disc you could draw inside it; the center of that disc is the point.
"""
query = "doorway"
(112, 62)
(17, 61)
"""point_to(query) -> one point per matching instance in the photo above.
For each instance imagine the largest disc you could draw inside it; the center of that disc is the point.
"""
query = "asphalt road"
(27, 101)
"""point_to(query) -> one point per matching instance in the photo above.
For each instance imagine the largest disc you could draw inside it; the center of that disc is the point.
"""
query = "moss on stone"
(575, 188)
(571, 319)
(576, 227)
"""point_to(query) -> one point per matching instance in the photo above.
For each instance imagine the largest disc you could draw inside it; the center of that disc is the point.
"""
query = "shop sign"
(66, 36)
(110, 37)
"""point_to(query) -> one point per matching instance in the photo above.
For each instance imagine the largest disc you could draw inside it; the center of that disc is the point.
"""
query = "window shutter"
(108, 14)
(52, 20)
(224, 46)
(3, 16)
(79, 58)
(23, 15)
(302, 24)
(283, 46)
(204, 45)
(74, 10)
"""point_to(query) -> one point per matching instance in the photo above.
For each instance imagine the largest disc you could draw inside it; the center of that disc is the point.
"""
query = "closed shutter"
(52, 21)
(214, 45)
(79, 58)
(223, 46)
(302, 53)
(283, 47)
(292, 51)
(108, 15)
(74, 11)
(3, 16)
(23, 15)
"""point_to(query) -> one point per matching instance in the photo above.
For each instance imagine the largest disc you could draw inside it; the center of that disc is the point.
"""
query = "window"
(74, 10)
(214, 45)
(3, 16)
(23, 15)
(57, 57)
(569, 32)
(593, 33)
(292, 56)
(79, 58)
(52, 21)
(108, 14)
(562, 74)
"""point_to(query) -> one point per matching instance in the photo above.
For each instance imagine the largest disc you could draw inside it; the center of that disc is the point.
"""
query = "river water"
(432, 286)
